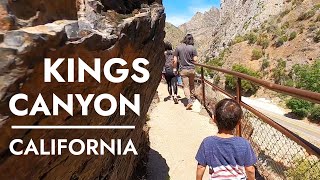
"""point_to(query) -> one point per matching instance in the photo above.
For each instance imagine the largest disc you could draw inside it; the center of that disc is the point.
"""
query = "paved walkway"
(175, 136)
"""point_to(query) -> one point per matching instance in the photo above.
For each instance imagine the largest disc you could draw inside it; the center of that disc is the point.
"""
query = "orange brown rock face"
(6, 22)
(22, 56)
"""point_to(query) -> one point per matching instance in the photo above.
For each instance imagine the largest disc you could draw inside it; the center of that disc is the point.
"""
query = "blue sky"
(181, 11)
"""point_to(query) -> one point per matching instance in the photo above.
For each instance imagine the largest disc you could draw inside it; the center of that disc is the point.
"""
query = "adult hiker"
(187, 55)
(169, 73)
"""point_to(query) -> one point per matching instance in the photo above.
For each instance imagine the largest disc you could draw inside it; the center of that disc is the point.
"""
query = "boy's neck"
(225, 134)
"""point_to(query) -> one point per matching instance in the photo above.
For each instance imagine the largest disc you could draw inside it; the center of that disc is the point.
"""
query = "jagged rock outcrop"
(16, 14)
(202, 26)
(97, 34)
(173, 34)
(238, 17)
(214, 29)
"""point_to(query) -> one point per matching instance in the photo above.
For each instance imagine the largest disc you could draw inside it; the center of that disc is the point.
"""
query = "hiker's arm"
(200, 171)
(195, 59)
(175, 62)
(250, 171)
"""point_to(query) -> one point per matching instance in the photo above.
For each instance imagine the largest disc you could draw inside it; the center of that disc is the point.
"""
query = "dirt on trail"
(175, 136)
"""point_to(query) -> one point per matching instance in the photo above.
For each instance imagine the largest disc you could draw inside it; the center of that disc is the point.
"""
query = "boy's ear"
(213, 119)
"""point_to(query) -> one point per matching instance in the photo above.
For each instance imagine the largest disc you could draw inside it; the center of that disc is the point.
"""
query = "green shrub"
(307, 76)
(316, 38)
(316, 7)
(279, 73)
(304, 169)
(198, 70)
(251, 38)
(312, 27)
(238, 39)
(307, 15)
(217, 62)
(281, 41)
(315, 114)
(217, 79)
(286, 25)
(246, 25)
(263, 41)
(247, 87)
(299, 107)
(284, 13)
(297, 2)
(318, 18)
(256, 54)
(292, 36)
(265, 64)
(271, 28)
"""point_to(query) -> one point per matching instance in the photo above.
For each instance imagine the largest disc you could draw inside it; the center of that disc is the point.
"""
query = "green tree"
(307, 76)
(315, 114)
(299, 107)
(247, 87)
(279, 73)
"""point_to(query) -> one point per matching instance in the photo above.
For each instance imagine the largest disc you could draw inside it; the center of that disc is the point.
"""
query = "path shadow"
(167, 98)
(157, 166)
(292, 116)
(184, 101)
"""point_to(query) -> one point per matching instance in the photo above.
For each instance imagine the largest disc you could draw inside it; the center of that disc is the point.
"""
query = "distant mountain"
(173, 34)
(202, 26)
(202, 23)
(258, 33)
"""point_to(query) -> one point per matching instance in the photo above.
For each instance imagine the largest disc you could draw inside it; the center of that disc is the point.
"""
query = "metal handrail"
(304, 94)
(300, 93)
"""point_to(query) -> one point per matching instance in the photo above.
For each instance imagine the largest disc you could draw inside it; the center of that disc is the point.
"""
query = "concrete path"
(175, 136)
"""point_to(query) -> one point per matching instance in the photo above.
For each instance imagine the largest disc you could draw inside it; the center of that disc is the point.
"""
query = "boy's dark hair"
(167, 46)
(227, 114)
(188, 40)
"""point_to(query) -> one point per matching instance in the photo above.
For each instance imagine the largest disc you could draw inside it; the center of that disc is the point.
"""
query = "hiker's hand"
(175, 72)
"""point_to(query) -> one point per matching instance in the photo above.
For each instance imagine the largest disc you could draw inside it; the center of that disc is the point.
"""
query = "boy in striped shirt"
(228, 157)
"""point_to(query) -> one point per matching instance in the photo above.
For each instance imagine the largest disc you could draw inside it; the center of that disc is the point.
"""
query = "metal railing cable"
(281, 153)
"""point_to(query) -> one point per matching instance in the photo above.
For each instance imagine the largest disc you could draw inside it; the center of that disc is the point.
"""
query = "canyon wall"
(87, 29)
(216, 28)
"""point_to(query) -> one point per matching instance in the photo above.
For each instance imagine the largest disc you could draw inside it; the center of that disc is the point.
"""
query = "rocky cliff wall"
(237, 17)
(97, 34)
(213, 30)
(202, 26)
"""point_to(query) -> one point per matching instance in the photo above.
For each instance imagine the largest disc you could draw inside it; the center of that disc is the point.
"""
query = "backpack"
(169, 61)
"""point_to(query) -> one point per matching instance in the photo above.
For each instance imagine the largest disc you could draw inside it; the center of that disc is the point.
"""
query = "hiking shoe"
(189, 106)
(175, 99)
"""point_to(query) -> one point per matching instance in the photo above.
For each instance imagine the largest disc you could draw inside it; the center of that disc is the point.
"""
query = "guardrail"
(281, 153)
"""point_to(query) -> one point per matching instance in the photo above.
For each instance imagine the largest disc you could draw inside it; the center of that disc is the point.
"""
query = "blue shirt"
(226, 157)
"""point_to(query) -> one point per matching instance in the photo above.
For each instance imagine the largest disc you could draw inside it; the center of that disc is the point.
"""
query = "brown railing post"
(295, 92)
(203, 87)
(238, 99)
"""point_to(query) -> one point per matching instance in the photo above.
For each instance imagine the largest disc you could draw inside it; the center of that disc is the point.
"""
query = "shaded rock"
(6, 21)
(126, 7)
(49, 11)
(22, 56)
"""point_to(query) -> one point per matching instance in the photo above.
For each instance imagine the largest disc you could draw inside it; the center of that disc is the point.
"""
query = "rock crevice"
(69, 29)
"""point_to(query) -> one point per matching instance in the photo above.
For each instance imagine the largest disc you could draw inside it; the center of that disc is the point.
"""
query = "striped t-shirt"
(226, 157)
